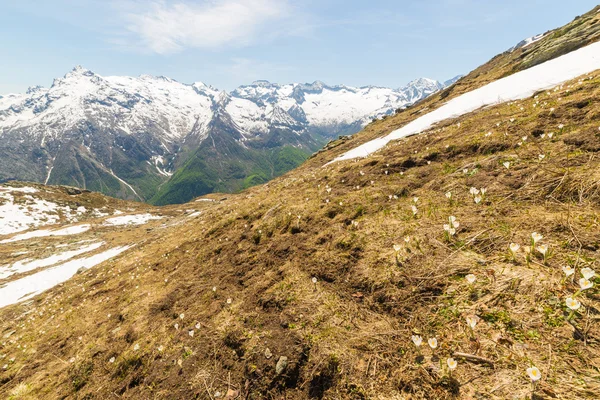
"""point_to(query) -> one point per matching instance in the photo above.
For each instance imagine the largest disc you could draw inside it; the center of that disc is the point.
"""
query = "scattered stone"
(281, 365)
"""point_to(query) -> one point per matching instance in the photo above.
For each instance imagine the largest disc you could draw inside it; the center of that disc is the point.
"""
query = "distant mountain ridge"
(126, 136)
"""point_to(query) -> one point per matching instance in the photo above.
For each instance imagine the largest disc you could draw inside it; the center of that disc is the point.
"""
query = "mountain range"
(158, 140)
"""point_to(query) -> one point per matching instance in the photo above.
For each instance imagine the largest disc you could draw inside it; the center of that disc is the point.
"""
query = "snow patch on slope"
(70, 230)
(138, 219)
(518, 86)
(29, 286)
(29, 265)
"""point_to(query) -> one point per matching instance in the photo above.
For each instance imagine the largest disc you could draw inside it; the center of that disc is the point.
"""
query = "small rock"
(268, 353)
(281, 365)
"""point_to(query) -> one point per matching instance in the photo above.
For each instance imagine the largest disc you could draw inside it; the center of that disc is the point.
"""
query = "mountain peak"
(34, 89)
(78, 71)
(262, 83)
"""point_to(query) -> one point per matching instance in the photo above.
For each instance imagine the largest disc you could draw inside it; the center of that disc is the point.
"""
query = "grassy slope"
(237, 168)
(348, 335)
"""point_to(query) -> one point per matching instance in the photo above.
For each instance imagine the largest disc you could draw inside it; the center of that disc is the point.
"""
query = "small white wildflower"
(506, 164)
(585, 283)
(314, 279)
(414, 210)
(452, 364)
(111, 360)
(229, 300)
(572, 303)
(568, 270)
(514, 247)
(534, 373)
(472, 321)
(136, 347)
(588, 273)
(417, 340)
(477, 199)
(433, 343)
(471, 278)
(449, 195)
(536, 237)
(542, 248)
(191, 333)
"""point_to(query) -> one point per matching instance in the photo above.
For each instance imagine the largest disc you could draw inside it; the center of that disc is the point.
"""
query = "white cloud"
(166, 27)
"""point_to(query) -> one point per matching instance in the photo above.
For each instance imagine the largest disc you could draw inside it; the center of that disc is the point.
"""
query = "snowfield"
(29, 265)
(518, 86)
(70, 230)
(25, 288)
(27, 212)
(131, 219)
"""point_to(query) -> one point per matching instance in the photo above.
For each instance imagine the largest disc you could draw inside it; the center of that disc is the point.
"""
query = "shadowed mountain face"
(126, 137)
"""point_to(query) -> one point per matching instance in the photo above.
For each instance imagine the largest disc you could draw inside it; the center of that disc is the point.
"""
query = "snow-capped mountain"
(125, 136)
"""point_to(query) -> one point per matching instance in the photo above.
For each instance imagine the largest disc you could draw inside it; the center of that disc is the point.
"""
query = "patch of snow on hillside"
(16, 217)
(23, 266)
(29, 286)
(527, 42)
(138, 219)
(70, 230)
(517, 86)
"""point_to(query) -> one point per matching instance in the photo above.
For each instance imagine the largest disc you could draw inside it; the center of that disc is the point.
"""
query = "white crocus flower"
(471, 278)
(506, 164)
(414, 210)
(477, 199)
(449, 195)
(572, 303)
(542, 248)
(534, 373)
(588, 273)
(472, 321)
(514, 247)
(474, 191)
(536, 237)
(433, 343)
(568, 270)
(585, 283)
(417, 340)
(452, 364)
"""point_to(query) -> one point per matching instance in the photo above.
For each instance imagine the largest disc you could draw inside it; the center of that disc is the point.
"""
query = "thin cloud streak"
(169, 27)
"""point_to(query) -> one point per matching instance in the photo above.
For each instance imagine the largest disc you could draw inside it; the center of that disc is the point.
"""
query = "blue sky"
(226, 43)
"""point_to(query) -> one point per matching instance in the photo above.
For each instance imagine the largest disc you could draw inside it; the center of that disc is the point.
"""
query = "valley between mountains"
(448, 250)
(157, 140)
